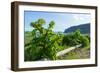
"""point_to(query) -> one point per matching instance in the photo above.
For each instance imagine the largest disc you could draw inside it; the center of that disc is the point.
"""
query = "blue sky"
(62, 20)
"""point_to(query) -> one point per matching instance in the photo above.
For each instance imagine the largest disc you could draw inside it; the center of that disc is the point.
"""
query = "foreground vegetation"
(45, 43)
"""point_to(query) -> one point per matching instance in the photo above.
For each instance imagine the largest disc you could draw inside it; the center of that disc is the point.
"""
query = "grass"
(79, 53)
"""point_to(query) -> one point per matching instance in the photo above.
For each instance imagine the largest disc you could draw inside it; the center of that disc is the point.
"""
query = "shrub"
(76, 38)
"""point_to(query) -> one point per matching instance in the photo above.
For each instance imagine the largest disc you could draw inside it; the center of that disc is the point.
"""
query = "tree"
(45, 42)
(72, 39)
(76, 38)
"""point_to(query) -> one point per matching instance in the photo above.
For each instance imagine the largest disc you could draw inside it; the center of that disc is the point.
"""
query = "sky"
(63, 20)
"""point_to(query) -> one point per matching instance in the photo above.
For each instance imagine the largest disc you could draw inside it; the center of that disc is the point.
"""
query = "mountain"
(84, 28)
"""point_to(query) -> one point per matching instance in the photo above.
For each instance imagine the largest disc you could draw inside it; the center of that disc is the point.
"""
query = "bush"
(72, 39)
(76, 38)
(84, 41)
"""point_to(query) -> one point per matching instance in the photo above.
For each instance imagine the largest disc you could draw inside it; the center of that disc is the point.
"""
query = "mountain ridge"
(84, 28)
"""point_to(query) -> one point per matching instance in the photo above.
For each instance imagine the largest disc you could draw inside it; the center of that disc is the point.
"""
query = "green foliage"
(85, 41)
(72, 39)
(76, 38)
(44, 43)
(88, 37)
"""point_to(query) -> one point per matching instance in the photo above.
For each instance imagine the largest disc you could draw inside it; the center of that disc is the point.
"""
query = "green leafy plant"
(45, 42)
(76, 38)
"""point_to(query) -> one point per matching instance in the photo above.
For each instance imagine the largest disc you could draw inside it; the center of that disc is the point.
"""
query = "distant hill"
(84, 28)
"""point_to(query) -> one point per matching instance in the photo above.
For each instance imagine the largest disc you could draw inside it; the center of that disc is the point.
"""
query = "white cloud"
(78, 17)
